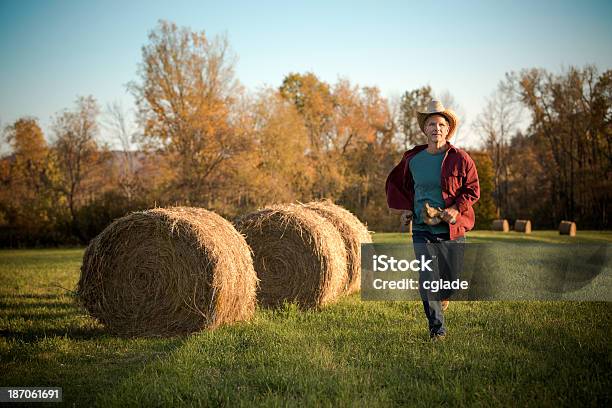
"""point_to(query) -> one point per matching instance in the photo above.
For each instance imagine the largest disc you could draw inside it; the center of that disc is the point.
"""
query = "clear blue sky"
(52, 51)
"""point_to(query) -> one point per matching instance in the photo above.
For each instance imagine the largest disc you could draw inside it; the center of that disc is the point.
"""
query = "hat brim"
(453, 121)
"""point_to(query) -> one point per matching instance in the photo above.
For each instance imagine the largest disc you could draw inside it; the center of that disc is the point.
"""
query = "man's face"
(436, 128)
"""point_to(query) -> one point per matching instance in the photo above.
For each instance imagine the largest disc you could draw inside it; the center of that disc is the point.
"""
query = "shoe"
(445, 303)
(437, 336)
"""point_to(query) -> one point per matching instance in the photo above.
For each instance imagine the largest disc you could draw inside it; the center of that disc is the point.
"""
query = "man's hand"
(405, 218)
(450, 214)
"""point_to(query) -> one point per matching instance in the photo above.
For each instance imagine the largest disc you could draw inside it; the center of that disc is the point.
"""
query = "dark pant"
(447, 265)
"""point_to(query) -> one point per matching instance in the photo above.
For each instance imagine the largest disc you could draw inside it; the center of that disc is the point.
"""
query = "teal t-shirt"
(426, 169)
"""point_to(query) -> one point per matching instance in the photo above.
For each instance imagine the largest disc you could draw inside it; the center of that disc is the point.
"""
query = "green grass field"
(351, 353)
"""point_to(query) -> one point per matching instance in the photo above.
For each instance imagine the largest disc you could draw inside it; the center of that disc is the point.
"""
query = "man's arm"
(469, 192)
(450, 214)
(398, 197)
(405, 216)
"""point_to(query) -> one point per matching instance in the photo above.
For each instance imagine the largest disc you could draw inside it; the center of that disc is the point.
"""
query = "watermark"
(496, 271)
(385, 263)
(413, 284)
(30, 394)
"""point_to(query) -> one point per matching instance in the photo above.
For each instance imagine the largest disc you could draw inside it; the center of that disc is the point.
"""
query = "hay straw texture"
(523, 226)
(298, 255)
(567, 228)
(353, 233)
(168, 271)
(500, 225)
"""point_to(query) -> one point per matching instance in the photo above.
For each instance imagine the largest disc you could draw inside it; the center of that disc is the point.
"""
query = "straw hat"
(436, 107)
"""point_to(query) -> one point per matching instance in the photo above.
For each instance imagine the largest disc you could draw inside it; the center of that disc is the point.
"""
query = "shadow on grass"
(85, 362)
(62, 314)
(73, 333)
(32, 296)
(49, 340)
(23, 306)
(31, 320)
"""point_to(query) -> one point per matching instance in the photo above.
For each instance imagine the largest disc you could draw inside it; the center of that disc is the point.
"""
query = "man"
(443, 176)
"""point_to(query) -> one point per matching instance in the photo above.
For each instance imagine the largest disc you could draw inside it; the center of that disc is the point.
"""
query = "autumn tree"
(26, 198)
(528, 184)
(315, 103)
(363, 144)
(130, 160)
(277, 168)
(571, 120)
(496, 125)
(79, 158)
(185, 96)
(30, 155)
(410, 103)
(484, 208)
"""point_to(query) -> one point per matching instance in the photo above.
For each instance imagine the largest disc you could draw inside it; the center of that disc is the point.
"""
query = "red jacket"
(459, 182)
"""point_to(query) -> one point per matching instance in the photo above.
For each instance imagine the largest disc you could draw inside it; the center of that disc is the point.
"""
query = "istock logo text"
(383, 263)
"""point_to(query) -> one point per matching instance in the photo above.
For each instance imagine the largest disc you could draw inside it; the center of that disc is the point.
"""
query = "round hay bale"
(168, 271)
(523, 226)
(353, 233)
(567, 228)
(500, 225)
(298, 255)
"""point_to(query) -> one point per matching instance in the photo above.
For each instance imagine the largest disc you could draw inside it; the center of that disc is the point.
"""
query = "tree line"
(560, 167)
(203, 140)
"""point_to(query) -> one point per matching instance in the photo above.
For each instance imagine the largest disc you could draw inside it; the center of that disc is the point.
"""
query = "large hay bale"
(500, 225)
(168, 271)
(298, 255)
(353, 233)
(523, 226)
(567, 228)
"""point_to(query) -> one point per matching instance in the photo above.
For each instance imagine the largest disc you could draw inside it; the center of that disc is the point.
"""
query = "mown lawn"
(351, 353)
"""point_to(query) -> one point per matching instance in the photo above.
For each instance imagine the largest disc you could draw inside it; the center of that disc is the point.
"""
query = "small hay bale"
(168, 271)
(298, 255)
(500, 225)
(523, 226)
(567, 228)
(353, 233)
